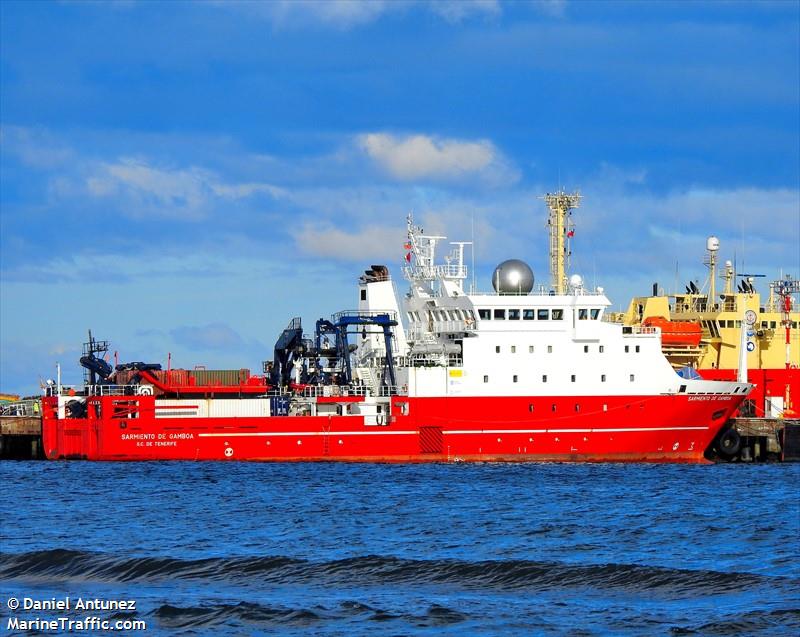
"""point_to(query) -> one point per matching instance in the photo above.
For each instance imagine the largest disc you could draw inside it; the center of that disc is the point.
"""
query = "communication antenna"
(472, 249)
(561, 228)
(712, 247)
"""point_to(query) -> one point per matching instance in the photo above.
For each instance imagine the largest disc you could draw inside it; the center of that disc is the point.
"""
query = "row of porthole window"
(530, 314)
(453, 314)
(531, 349)
(729, 324)
(577, 407)
(573, 378)
(498, 314)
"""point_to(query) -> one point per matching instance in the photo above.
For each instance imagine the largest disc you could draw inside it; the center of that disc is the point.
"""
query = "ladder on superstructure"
(561, 227)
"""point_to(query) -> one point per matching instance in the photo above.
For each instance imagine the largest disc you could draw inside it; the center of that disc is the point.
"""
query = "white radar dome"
(576, 280)
(513, 277)
(712, 244)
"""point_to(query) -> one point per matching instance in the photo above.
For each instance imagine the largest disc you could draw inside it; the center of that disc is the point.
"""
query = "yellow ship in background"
(702, 330)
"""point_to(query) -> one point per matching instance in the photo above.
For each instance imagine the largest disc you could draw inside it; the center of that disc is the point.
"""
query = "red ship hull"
(663, 428)
(769, 384)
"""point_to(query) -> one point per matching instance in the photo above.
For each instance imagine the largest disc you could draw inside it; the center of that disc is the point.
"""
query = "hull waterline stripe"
(308, 433)
(569, 431)
(451, 431)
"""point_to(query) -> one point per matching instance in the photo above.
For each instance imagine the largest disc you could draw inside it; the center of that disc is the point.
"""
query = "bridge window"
(585, 349)
(363, 295)
(528, 315)
(484, 315)
(558, 315)
(513, 315)
(543, 315)
(627, 349)
(549, 349)
(602, 349)
(572, 378)
(544, 378)
(485, 379)
(515, 378)
(496, 349)
(637, 349)
(595, 314)
(602, 378)
(583, 314)
(513, 349)
(499, 315)
(682, 389)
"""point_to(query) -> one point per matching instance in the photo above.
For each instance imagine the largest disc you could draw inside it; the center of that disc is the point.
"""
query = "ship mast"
(785, 288)
(728, 277)
(712, 246)
(560, 224)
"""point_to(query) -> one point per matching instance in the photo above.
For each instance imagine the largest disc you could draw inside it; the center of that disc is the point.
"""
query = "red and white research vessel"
(436, 374)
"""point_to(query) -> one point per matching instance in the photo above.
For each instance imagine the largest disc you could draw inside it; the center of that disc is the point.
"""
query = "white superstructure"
(453, 343)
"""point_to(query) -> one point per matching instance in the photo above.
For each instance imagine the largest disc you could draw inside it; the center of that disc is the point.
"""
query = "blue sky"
(186, 177)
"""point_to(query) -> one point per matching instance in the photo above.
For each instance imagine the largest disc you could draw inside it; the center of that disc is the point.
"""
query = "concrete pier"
(21, 437)
(766, 439)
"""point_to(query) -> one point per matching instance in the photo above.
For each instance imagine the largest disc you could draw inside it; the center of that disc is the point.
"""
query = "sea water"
(438, 549)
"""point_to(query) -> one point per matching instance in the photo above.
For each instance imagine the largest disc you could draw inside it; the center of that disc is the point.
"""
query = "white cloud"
(459, 10)
(35, 148)
(553, 8)
(372, 243)
(241, 191)
(421, 157)
(185, 193)
(346, 14)
(337, 13)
